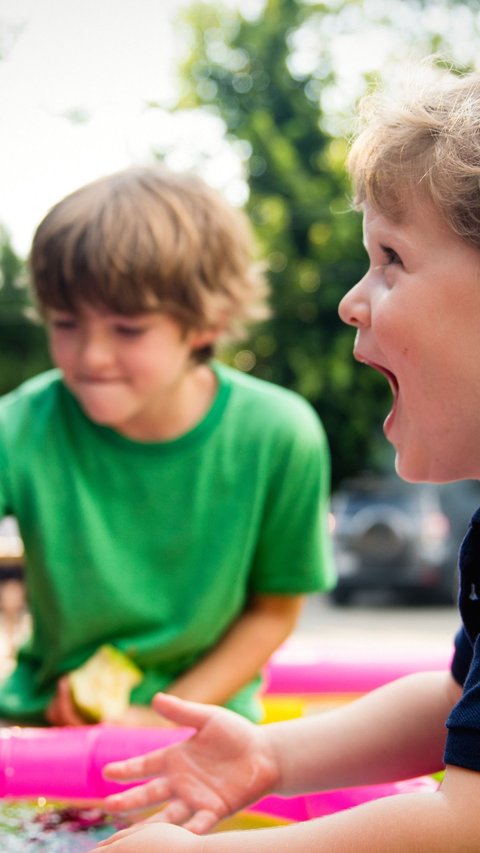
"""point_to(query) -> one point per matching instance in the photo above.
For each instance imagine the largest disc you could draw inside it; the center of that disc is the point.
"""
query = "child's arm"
(242, 651)
(237, 657)
(442, 822)
(62, 711)
(395, 731)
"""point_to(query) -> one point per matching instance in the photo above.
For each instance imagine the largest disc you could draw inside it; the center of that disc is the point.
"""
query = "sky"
(76, 75)
(74, 80)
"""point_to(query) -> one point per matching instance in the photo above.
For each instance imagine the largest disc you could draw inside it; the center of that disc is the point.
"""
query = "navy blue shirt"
(463, 739)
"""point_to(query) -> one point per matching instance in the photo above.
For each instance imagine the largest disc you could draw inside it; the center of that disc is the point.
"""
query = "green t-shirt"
(156, 547)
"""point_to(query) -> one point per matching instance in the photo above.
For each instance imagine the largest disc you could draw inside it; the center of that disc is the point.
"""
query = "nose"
(94, 351)
(354, 308)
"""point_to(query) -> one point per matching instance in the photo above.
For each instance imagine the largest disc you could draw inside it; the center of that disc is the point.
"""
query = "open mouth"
(389, 376)
(392, 381)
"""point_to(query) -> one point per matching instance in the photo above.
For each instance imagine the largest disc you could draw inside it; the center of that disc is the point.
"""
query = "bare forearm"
(240, 654)
(418, 823)
(395, 732)
(441, 822)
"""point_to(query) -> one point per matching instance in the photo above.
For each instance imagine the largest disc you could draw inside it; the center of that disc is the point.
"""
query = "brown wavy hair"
(146, 239)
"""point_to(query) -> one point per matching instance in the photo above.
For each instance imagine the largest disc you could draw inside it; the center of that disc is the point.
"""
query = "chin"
(101, 418)
(414, 470)
(435, 472)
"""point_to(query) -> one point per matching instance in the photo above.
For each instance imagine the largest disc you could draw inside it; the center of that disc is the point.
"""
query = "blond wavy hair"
(422, 142)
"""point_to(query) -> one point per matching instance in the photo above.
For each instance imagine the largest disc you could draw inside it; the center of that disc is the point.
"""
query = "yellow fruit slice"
(101, 687)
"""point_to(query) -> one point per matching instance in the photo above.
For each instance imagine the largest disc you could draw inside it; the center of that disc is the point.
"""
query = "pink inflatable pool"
(66, 763)
(304, 665)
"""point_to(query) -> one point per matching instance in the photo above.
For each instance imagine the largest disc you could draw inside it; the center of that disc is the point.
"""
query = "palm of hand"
(222, 769)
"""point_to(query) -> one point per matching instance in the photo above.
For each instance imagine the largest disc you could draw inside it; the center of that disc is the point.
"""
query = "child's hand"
(143, 716)
(61, 710)
(150, 838)
(225, 766)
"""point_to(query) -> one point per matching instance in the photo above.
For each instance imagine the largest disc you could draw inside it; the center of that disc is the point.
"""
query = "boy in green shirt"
(169, 505)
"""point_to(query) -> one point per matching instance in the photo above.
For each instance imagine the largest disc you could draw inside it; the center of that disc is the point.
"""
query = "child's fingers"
(177, 812)
(61, 711)
(202, 822)
(71, 716)
(140, 797)
(138, 767)
(190, 714)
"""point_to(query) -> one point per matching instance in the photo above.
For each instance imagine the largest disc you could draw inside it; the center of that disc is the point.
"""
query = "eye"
(391, 255)
(63, 323)
(129, 331)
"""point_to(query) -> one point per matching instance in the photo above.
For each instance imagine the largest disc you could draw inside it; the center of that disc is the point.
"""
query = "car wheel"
(341, 596)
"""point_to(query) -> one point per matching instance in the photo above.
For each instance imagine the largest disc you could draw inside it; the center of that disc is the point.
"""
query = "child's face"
(127, 373)
(417, 313)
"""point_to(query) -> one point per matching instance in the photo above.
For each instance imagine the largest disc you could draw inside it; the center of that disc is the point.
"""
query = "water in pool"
(43, 827)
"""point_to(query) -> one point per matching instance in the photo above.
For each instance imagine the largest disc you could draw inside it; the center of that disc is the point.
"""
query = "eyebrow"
(390, 237)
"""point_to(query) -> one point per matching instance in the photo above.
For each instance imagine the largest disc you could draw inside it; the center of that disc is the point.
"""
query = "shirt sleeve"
(462, 657)
(294, 551)
(463, 739)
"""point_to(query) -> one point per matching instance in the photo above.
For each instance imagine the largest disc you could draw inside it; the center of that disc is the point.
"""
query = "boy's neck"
(180, 411)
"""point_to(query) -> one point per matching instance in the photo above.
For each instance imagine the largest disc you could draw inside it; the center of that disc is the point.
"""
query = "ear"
(205, 337)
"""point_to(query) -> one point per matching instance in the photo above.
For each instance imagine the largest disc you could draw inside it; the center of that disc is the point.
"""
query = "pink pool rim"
(67, 764)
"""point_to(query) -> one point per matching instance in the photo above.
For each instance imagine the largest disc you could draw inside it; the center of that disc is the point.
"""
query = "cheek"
(62, 351)
(402, 332)
(140, 364)
(391, 336)
(55, 348)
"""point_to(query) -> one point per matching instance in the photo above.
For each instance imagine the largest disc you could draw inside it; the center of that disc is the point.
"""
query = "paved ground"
(379, 620)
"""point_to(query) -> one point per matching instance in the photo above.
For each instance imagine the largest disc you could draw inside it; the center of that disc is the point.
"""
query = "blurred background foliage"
(283, 76)
(23, 351)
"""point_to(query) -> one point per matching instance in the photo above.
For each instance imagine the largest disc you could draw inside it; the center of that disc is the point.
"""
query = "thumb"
(183, 713)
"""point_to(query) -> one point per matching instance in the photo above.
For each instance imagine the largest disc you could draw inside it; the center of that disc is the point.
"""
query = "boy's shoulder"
(268, 402)
(28, 395)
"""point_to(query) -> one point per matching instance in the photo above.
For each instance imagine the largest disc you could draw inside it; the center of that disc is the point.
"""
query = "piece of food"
(101, 687)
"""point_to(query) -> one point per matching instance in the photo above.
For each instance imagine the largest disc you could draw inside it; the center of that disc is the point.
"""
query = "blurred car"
(401, 537)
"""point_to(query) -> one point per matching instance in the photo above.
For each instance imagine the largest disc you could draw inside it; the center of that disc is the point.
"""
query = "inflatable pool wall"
(67, 764)
(301, 667)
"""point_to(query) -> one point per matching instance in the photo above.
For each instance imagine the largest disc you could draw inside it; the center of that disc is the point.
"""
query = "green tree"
(23, 350)
(299, 207)
(276, 83)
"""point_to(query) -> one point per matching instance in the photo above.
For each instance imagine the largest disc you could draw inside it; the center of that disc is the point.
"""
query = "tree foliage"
(299, 207)
(283, 91)
(23, 351)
